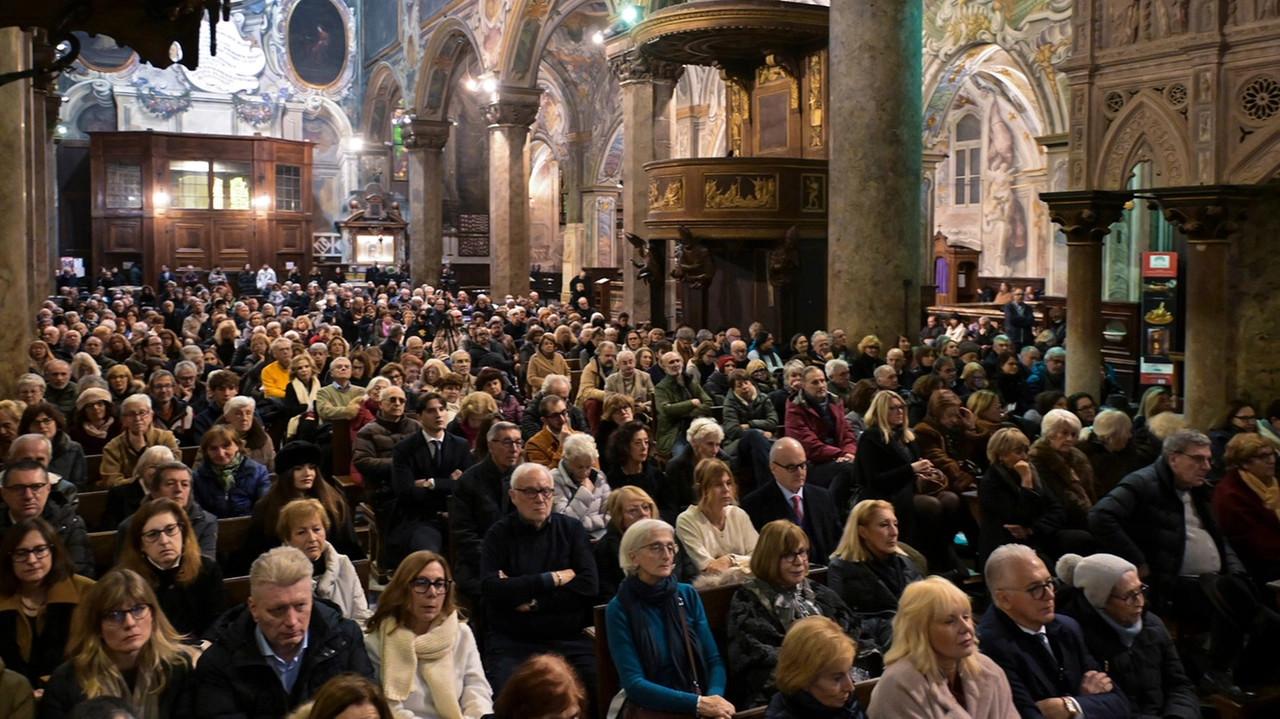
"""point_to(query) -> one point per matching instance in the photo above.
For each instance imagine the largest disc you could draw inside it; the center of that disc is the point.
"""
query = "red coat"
(1251, 529)
(807, 426)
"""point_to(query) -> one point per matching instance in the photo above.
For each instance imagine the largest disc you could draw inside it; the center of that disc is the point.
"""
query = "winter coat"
(16, 698)
(60, 513)
(574, 500)
(478, 501)
(822, 441)
(676, 411)
(884, 470)
(904, 693)
(191, 609)
(63, 692)
(1249, 526)
(371, 451)
(1006, 501)
(872, 588)
(68, 461)
(1111, 467)
(45, 652)
(251, 482)
(759, 414)
(1069, 478)
(948, 453)
(119, 459)
(341, 585)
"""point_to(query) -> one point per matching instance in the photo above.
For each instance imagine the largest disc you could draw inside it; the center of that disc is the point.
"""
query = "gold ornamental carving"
(740, 192)
(815, 100)
(666, 193)
(776, 73)
(739, 115)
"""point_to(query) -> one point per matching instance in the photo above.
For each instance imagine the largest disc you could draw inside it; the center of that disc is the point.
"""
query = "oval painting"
(317, 38)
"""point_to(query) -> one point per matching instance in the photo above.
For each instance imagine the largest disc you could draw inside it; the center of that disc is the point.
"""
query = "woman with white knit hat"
(1133, 646)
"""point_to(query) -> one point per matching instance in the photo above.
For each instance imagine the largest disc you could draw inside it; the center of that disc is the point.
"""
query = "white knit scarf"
(431, 653)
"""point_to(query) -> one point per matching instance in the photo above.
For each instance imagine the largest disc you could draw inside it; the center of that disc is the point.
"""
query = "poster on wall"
(1159, 316)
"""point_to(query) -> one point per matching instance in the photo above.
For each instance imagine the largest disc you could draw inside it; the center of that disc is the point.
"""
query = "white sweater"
(341, 585)
(474, 693)
(704, 542)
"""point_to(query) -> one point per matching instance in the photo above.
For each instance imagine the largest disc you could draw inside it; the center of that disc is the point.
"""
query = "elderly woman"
(1114, 451)
(30, 388)
(298, 477)
(121, 454)
(67, 460)
(765, 607)
(304, 525)
(121, 646)
(1247, 505)
(1064, 469)
(546, 360)
(125, 498)
(490, 382)
(96, 420)
(659, 638)
(423, 651)
(581, 490)
(814, 673)
(934, 670)
(240, 414)
(475, 410)
(1016, 505)
(717, 534)
(1110, 604)
(703, 442)
(625, 507)
(869, 570)
(869, 357)
(226, 482)
(163, 549)
(39, 590)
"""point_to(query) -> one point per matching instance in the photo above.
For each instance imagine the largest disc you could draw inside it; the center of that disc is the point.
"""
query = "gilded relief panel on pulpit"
(740, 192)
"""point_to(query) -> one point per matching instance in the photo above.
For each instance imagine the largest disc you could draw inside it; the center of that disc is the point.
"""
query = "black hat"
(296, 454)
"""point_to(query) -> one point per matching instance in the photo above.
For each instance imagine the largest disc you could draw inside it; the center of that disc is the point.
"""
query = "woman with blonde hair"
(869, 569)
(1064, 469)
(10, 416)
(125, 498)
(472, 413)
(304, 525)
(300, 393)
(716, 533)
(121, 646)
(224, 341)
(432, 370)
(423, 651)
(813, 674)
(934, 670)
(869, 357)
(624, 507)
(38, 355)
(83, 365)
(122, 384)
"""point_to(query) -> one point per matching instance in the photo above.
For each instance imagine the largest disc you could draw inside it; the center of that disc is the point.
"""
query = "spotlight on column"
(630, 14)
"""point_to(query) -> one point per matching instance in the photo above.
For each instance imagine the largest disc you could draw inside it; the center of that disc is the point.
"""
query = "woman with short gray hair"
(581, 489)
(1114, 449)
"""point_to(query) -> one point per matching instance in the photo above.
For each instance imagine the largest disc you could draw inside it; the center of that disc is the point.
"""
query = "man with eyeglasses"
(816, 418)
(538, 582)
(425, 468)
(1019, 321)
(547, 446)
(171, 480)
(1050, 671)
(1161, 519)
(789, 496)
(26, 492)
(479, 500)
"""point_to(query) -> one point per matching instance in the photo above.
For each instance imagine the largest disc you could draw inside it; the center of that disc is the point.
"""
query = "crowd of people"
(525, 461)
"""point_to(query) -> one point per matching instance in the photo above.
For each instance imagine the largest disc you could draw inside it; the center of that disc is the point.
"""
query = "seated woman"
(303, 524)
(704, 437)
(96, 420)
(717, 535)
(580, 489)
(933, 668)
(1239, 417)
(868, 569)
(122, 646)
(124, 499)
(1110, 603)
(546, 361)
(618, 410)
(423, 652)
(39, 590)
(1247, 505)
(241, 415)
(67, 460)
(1114, 451)
(121, 453)
(371, 403)
(298, 477)
(1016, 506)
(227, 483)
(475, 409)
(300, 393)
(162, 548)
(625, 507)
(490, 382)
(813, 674)
(766, 606)
(543, 686)
(658, 634)
(1064, 469)
(630, 464)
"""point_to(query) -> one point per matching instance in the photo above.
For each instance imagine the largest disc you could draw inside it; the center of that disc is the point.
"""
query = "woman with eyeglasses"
(298, 477)
(1239, 417)
(39, 590)
(765, 607)
(125, 498)
(121, 646)
(67, 460)
(625, 507)
(241, 414)
(659, 638)
(163, 549)
(423, 651)
(95, 421)
(304, 525)
(1247, 505)
(814, 670)
(1110, 601)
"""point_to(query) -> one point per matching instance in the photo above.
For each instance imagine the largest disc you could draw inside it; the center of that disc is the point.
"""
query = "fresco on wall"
(317, 42)
(379, 27)
(101, 53)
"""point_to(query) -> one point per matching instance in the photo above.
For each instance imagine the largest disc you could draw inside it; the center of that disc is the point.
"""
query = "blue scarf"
(1127, 634)
(663, 596)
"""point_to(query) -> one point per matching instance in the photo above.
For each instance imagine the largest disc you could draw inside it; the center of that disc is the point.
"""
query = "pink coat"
(903, 693)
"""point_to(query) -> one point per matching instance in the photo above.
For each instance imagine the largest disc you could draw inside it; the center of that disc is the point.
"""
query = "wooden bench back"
(238, 587)
(91, 507)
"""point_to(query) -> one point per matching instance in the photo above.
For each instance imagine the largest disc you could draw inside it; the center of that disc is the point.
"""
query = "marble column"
(425, 141)
(929, 162)
(16, 275)
(648, 86)
(1086, 218)
(510, 113)
(575, 207)
(873, 245)
(1209, 217)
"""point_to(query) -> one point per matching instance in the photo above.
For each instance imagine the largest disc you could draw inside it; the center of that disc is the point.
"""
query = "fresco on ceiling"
(379, 27)
(101, 53)
(317, 42)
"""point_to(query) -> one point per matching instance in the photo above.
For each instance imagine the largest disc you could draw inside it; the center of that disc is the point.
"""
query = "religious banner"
(1159, 316)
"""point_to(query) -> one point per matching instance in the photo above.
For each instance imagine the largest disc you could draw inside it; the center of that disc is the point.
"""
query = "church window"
(288, 188)
(967, 159)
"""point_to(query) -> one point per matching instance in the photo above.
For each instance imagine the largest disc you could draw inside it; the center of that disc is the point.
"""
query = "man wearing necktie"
(789, 496)
(425, 467)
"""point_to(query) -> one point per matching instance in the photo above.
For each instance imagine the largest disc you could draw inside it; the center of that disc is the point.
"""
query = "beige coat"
(119, 459)
(903, 693)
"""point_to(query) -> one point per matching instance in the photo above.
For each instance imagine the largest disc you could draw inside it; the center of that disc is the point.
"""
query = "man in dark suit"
(1050, 671)
(1019, 319)
(164, 277)
(424, 470)
(788, 497)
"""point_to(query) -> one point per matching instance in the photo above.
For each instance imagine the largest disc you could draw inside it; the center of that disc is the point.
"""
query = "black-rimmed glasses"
(40, 551)
(169, 530)
(422, 585)
(137, 611)
(1040, 592)
(531, 494)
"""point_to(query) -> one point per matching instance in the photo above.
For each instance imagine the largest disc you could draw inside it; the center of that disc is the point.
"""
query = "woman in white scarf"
(304, 525)
(424, 654)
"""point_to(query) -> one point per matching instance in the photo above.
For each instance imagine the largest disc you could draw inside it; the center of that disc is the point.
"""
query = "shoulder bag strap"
(688, 645)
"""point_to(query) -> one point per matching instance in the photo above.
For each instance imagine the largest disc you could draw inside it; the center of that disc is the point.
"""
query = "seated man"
(815, 418)
(479, 500)
(60, 391)
(678, 400)
(425, 467)
(270, 655)
(547, 446)
(223, 384)
(632, 382)
(372, 448)
(1050, 671)
(275, 375)
(120, 455)
(538, 582)
(552, 384)
(339, 399)
(789, 497)
(594, 375)
(27, 493)
(172, 480)
(39, 448)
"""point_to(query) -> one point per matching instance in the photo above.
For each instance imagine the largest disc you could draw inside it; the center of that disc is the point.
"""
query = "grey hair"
(152, 457)
(283, 566)
(580, 446)
(498, 428)
(625, 354)
(23, 439)
(637, 536)
(1056, 353)
(30, 379)
(885, 369)
(1000, 563)
(702, 428)
(1055, 419)
(185, 364)
(281, 341)
(606, 344)
(527, 469)
(813, 338)
(1000, 338)
(551, 379)
(235, 403)
(835, 364)
(1178, 442)
(191, 351)
(1029, 348)
(142, 399)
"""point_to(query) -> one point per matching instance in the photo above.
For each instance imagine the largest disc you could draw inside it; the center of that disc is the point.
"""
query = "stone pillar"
(510, 112)
(873, 245)
(1208, 216)
(929, 162)
(16, 280)
(648, 86)
(575, 209)
(1086, 218)
(425, 141)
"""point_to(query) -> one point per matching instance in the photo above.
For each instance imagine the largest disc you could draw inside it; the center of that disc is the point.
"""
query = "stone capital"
(427, 134)
(635, 66)
(1085, 216)
(513, 106)
(1205, 214)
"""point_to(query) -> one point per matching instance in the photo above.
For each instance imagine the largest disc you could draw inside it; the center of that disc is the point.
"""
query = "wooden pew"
(341, 449)
(93, 468)
(189, 455)
(91, 508)
(238, 587)
(103, 545)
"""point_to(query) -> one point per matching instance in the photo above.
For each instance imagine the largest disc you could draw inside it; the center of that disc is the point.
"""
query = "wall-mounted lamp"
(160, 200)
(262, 203)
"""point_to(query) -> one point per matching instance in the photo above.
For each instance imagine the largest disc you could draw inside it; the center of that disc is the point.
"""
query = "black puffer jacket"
(234, 681)
(1142, 520)
(70, 528)
(1148, 671)
(371, 451)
